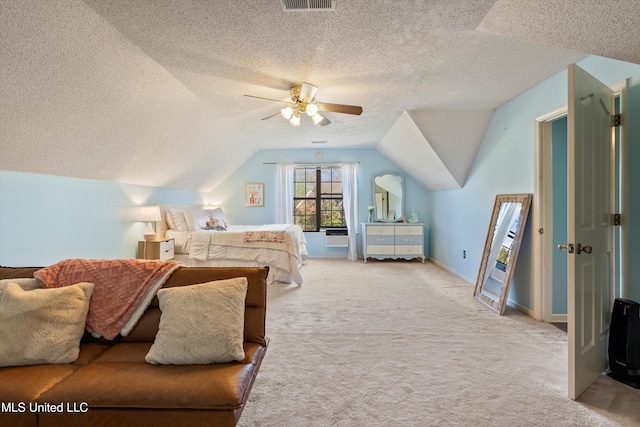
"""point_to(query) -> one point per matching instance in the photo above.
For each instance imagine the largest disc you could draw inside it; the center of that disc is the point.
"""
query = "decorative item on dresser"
(162, 249)
(392, 240)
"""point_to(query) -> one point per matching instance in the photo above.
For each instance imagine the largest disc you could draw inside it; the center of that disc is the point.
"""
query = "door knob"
(568, 247)
(571, 249)
(585, 249)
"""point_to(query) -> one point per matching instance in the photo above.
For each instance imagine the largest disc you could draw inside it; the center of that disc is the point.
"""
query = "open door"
(589, 210)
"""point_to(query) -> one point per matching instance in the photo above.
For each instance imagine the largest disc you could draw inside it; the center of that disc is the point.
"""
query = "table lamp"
(149, 214)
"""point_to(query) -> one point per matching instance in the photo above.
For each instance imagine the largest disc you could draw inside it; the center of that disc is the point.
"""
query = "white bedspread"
(230, 245)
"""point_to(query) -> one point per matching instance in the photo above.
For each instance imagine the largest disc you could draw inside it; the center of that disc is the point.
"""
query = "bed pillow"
(42, 326)
(171, 225)
(218, 213)
(179, 222)
(201, 324)
(196, 220)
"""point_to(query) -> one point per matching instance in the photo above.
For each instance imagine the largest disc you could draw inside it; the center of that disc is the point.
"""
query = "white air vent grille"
(308, 5)
(336, 238)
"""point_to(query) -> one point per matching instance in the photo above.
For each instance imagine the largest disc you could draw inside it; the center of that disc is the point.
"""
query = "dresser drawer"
(380, 249)
(380, 240)
(408, 240)
(167, 255)
(409, 250)
(167, 245)
(408, 230)
(380, 230)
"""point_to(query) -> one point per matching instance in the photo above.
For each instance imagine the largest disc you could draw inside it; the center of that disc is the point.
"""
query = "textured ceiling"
(150, 91)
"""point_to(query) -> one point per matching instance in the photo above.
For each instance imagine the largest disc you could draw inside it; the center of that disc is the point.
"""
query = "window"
(308, 201)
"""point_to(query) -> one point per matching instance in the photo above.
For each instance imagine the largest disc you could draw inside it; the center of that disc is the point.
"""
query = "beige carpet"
(405, 344)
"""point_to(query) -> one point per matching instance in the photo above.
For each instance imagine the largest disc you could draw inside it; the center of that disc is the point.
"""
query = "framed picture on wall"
(254, 194)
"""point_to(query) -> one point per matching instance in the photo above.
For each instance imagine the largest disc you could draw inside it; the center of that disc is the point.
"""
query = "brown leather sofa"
(111, 384)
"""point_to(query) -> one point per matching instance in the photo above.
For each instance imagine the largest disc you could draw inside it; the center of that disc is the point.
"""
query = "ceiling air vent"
(308, 5)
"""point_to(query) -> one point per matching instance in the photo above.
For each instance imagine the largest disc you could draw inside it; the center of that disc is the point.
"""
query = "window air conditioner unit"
(336, 238)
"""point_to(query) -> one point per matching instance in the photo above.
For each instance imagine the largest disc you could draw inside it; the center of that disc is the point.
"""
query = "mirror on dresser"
(388, 197)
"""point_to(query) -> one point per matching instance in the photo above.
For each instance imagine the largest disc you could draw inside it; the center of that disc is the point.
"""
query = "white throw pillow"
(171, 225)
(178, 220)
(196, 220)
(42, 326)
(201, 324)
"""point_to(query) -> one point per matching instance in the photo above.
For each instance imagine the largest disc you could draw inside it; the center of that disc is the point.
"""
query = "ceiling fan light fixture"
(287, 112)
(295, 120)
(317, 118)
(312, 110)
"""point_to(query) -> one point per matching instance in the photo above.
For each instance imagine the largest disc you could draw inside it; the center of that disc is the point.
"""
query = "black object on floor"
(624, 342)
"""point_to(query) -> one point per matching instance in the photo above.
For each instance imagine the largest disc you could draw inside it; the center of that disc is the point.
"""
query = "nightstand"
(161, 249)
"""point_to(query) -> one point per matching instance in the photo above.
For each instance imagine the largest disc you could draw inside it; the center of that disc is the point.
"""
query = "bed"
(205, 238)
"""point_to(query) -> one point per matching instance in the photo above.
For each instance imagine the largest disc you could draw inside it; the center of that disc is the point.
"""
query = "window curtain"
(284, 193)
(350, 206)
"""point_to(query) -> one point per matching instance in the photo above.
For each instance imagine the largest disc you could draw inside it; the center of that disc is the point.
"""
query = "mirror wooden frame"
(493, 301)
(400, 215)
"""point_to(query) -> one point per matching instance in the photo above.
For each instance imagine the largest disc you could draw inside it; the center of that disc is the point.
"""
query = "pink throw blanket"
(121, 286)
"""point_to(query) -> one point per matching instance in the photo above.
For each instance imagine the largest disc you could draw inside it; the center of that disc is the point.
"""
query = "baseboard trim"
(450, 270)
(529, 312)
(559, 318)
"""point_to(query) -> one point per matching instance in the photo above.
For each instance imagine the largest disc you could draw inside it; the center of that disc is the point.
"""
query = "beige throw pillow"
(42, 326)
(25, 283)
(201, 324)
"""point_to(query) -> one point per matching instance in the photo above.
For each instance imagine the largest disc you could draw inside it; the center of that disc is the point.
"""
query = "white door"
(589, 212)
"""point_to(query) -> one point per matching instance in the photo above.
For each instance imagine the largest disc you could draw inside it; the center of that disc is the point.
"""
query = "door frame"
(542, 211)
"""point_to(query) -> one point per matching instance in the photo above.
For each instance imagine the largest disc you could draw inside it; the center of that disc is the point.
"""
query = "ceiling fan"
(302, 102)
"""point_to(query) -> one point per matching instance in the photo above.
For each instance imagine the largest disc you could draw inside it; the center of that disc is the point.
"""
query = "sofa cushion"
(26, 383)
(125, 380)
(42, 325)
(201, 323)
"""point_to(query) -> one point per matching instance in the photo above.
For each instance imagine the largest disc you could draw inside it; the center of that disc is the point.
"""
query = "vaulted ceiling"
(151, 92)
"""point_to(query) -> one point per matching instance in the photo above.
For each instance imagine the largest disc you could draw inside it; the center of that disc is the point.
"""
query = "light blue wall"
(229, 193)
(45, 218)
(559, 165)
(505, 164)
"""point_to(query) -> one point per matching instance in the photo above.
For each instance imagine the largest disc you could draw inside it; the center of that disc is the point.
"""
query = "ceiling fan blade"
(268, 117)
(270, 99)
(340, 108)
(307, 92)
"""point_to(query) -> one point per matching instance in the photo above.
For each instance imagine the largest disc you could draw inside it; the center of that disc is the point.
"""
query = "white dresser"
(392, 240)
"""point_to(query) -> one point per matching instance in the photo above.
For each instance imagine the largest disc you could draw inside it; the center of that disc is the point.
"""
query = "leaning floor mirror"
(501, 248)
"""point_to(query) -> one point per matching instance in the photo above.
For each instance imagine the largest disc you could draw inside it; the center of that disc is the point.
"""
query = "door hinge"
(617, 219)
(616, 120)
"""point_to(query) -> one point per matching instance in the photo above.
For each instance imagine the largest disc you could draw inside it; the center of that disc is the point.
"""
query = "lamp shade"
(312, 110)
(149, 213)
(317, 119)
(287, 112)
